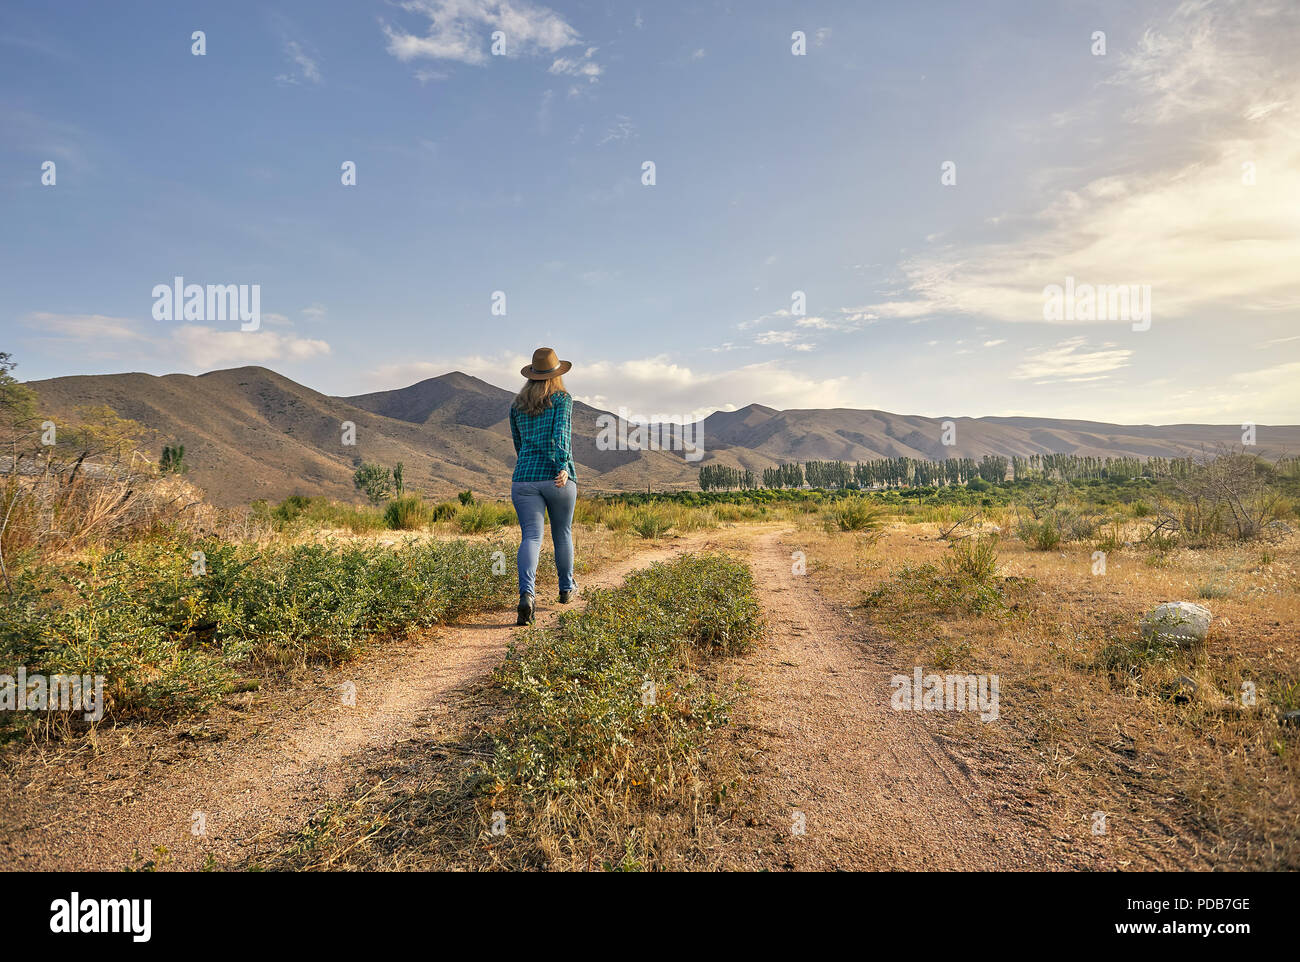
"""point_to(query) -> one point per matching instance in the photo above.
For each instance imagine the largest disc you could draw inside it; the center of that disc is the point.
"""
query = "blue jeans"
(531, 500)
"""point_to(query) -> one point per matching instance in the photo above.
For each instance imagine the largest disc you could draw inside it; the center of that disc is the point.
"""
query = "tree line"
(917, 472)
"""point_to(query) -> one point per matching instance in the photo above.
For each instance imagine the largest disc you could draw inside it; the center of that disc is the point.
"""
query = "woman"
(543, 481)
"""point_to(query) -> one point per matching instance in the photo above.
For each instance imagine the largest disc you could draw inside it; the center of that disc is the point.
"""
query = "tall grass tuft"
(855, 514)
(651, 523)
(479, 517)
(975, 558)
(408, 513)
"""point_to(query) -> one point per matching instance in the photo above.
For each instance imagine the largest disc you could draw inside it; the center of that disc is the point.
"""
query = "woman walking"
(543, 482)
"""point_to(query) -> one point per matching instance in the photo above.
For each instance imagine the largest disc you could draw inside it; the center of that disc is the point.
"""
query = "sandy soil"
(871, 787)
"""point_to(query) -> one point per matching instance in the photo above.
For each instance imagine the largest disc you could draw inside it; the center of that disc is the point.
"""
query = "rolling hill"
(252, 433)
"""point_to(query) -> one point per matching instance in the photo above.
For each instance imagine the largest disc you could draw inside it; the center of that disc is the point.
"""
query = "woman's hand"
(562, 479)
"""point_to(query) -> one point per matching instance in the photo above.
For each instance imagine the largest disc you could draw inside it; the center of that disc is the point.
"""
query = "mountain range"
(252, 433)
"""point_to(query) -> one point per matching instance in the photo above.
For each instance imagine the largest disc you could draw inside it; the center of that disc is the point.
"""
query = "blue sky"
(775, 173)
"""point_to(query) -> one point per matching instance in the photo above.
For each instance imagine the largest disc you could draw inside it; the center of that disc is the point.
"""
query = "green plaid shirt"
(544, 442)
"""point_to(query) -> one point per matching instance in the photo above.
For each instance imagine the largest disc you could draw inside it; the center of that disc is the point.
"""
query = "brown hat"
(545, 366)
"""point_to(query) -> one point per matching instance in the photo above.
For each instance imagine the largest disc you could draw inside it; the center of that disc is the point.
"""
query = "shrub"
(1041, 535)
(481, 516)
(618, 518)
(1113, 540)
(856, 514)
(587, 511)
(650, 523)
(581, 715)
(913, 588)
(168, 640)
(1131, 655)
(443, 511)
(686, 519)
(976, 558)
(732, 512)
(322, 512)
(408, 513)
(374, 481)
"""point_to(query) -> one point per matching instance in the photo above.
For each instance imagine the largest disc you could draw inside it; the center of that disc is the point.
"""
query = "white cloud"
(460, 30)
(582, 66)
(819, 323)
(1183, 223)
(308, 68)
(207, 348)
(622, 130)
(82, 327)
(1069, 361)
(188, 345)
(763, 319)
(652, 386)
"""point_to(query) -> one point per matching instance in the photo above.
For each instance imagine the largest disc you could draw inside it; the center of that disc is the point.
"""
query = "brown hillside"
(251, 433)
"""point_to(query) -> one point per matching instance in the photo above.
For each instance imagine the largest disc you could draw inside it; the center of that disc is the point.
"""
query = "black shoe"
(527, 611)
(566, 596)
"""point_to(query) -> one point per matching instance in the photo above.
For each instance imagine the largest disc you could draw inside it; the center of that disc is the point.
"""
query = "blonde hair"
(535, 396)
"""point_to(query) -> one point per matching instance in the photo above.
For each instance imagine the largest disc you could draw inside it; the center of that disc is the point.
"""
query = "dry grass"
(62, 512)
(1195, 780)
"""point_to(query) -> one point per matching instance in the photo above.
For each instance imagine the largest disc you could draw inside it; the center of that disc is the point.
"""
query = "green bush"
(443, 511)
(169, 639)
(976, 558)
(650, 523)
(856, 514)
(291, 508)
(1041, 535)
(581, 718)
(299, 511)
(914, 589)
(408, 513)
(481, 516)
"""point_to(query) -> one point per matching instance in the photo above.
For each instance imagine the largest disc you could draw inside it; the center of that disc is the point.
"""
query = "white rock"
(1179, 622)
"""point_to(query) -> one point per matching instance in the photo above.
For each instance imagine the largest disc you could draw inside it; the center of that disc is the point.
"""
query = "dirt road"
(141, 796)
(871, 787)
